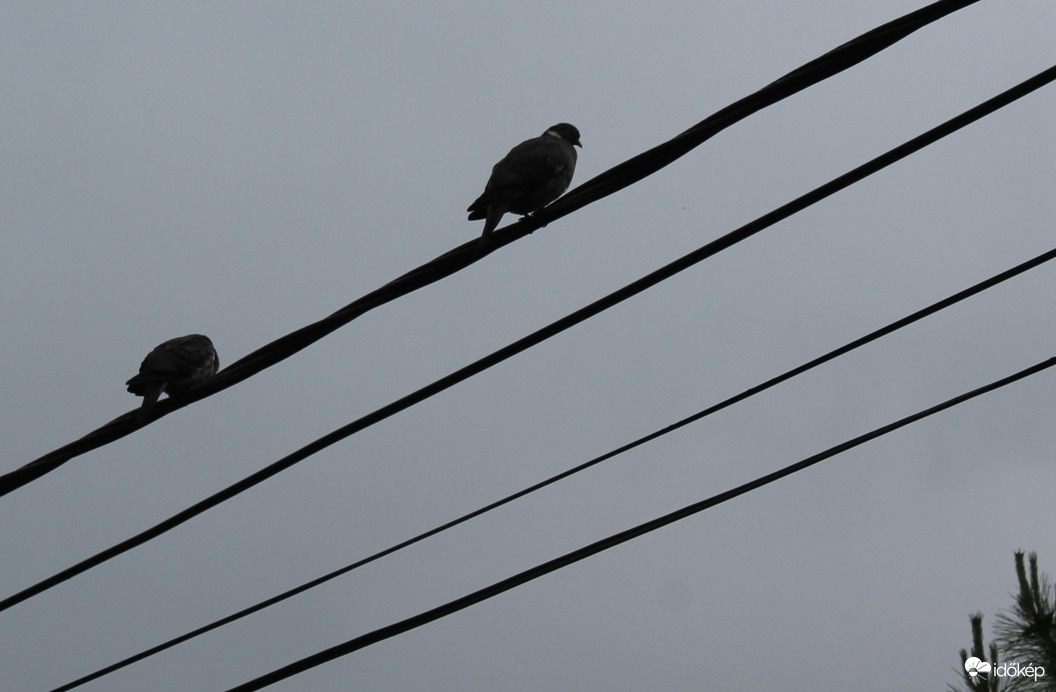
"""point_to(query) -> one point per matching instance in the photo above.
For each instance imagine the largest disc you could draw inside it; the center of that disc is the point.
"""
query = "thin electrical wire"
(604, 544)
(602, 185)
(699, 415)
(540, 335)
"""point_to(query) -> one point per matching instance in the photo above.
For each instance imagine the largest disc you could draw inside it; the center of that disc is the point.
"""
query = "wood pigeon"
(531, 176)
(173, 367)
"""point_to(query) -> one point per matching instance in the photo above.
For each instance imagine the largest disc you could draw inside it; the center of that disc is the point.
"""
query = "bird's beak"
(578, 144)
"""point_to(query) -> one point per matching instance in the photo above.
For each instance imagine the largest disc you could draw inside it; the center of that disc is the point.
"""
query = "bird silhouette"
(534, 174)
(173, 367)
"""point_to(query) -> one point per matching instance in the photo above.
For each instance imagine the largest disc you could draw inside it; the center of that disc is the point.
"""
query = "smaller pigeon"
(174, 367)
(531, 176)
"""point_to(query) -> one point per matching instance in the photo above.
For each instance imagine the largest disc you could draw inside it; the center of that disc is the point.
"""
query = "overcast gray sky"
(243, 169)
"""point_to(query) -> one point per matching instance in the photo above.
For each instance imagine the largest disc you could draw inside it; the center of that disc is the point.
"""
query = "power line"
(545, 568)
(540, 335)
(613, 180)
(752, 391)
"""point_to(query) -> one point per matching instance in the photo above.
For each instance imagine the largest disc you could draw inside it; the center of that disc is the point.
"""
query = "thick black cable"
(545, 568)
(546, 332)
(715, 408)
(616, 178)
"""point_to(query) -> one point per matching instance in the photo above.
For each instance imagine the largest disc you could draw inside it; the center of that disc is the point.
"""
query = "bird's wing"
(183, 359)
(532, 175)
(531, 165)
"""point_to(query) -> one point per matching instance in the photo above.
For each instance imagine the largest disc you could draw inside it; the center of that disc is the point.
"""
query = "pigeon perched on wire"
(173, 367)
(531, 176)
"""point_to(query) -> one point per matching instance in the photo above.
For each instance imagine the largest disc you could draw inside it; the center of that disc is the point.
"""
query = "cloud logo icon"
(976, 667)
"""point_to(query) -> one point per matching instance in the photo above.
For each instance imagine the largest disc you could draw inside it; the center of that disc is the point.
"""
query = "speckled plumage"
(173, 367)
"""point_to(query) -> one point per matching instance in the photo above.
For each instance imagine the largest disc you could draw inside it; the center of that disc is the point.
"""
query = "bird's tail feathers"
(495, 214)
(151, 392)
